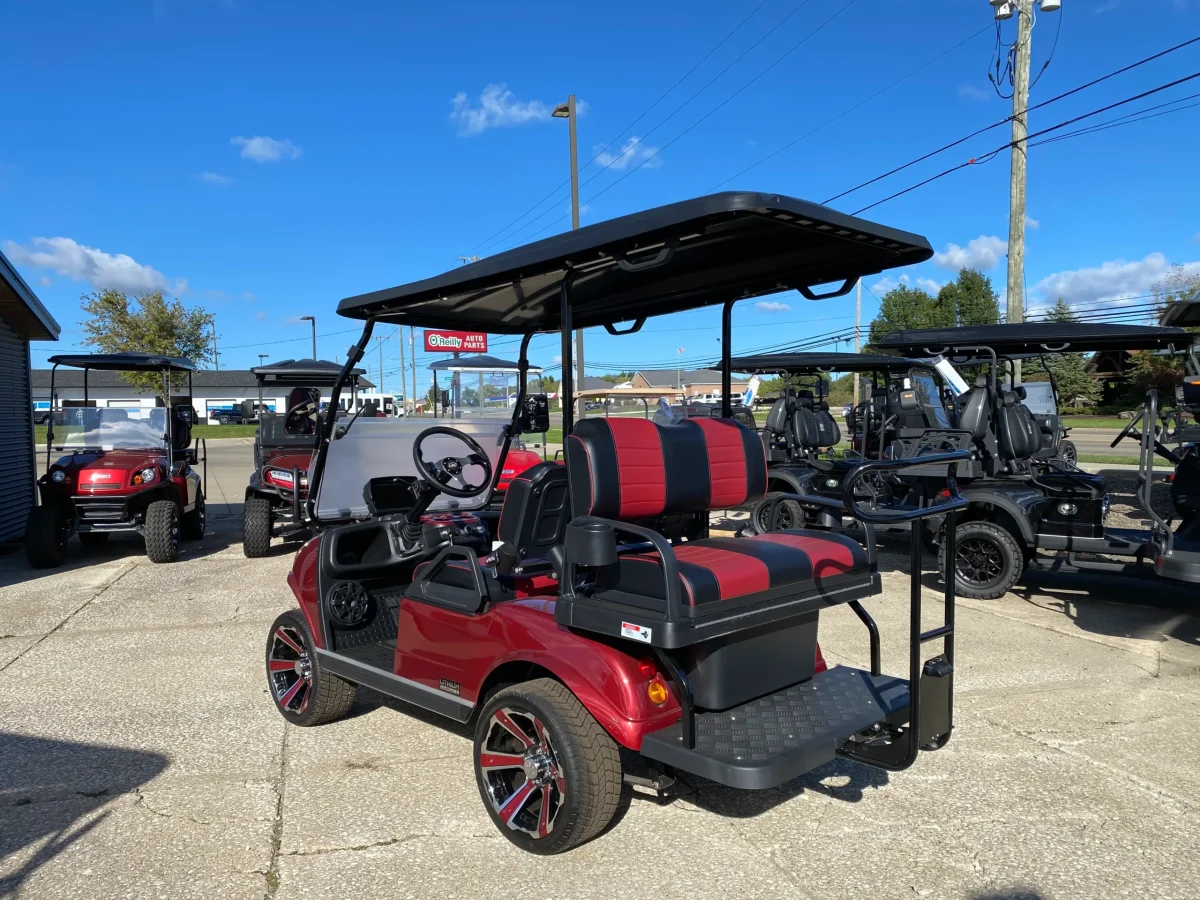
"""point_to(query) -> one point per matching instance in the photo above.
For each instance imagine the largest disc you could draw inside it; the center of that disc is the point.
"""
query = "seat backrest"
(805, 431)
(158, 419)
(976, 410)
(536, 511)
(1016, 433)
(777, 418)
(827, 426)
(629, 469)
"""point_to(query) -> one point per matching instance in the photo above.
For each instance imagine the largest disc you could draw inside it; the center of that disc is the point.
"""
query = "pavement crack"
(140, 803)
(402, 839)
(272, 873)
(129, 567)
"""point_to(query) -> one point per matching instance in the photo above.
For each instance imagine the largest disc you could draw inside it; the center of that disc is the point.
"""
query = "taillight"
(646, 667)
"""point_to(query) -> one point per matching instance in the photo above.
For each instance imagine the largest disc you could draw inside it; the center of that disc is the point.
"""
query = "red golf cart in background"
(283, 448)
(607, 617)
(120, 469)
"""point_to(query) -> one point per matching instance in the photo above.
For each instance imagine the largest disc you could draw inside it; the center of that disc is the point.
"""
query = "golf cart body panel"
(605, 595)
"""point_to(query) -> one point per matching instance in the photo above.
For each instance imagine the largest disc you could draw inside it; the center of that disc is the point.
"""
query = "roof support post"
(726, 353)
(566, 393)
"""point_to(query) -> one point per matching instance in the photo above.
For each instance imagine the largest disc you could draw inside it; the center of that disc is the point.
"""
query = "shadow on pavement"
(1020, 893)
(48, 791)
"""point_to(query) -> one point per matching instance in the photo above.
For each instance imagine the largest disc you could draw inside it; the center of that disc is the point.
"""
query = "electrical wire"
(1007, 119)
(990, 155)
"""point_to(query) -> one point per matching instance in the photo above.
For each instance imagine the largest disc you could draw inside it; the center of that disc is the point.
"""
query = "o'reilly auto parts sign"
(456, 341)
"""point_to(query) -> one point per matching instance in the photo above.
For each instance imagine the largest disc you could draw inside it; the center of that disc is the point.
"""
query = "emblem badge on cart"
(635, 632)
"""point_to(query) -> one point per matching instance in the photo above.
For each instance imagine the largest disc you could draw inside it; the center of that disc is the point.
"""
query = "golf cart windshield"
(87, 428)
(1039, 398)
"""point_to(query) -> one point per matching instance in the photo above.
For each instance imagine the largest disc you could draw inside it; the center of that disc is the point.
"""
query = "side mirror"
(535, 415)
(185, 414)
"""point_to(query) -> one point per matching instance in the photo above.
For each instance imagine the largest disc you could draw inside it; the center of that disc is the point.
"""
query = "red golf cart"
(284, 444)
(606, 616)
(120, 469)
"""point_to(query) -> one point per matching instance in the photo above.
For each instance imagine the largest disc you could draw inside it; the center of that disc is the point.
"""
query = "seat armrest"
(670, 565)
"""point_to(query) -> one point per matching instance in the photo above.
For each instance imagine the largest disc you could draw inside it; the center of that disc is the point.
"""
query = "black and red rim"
(522, 775)
(289, 669)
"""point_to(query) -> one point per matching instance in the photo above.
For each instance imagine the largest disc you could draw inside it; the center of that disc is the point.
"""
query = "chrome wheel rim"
(521, 773)
(978, 561)
(289, 669)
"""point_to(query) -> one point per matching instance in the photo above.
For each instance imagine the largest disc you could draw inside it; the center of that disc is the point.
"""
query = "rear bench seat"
(633, 470)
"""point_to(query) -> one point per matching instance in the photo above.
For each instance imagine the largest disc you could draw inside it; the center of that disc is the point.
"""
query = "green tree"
(972, 297)
(1071, 376)
(903, 308)
(618, 377)
(147, 323)
(1164, 372)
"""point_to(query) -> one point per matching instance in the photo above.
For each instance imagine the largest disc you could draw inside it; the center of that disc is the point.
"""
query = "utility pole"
(412, 355)
(567, 111)
(212, 320)
(312, 320)
(857, 334)
(400, 341)
(379, 344)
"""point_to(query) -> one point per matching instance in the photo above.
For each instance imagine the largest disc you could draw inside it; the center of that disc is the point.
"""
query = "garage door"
(16, 433)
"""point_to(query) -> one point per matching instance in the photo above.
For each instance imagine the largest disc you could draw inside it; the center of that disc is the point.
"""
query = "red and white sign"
(456, 341)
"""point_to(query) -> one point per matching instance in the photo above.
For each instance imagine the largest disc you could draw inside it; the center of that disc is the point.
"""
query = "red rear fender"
(303, 582)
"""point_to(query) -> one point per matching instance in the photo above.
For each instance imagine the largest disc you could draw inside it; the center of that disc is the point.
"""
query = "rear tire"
(577, 786)
(194, 521)
(791, 514)
(46, 533)
(988, 560)
(1068, 453)
(93, 538)
(304, 693)
(161, 531)
(222, 420)
(256, 527)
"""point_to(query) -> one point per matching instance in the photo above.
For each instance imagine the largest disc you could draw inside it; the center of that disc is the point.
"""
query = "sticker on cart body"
(635, 632)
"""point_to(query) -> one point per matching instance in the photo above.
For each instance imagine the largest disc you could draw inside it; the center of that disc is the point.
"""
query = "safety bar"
(891, 517)
(1149, 439)
(670, 565)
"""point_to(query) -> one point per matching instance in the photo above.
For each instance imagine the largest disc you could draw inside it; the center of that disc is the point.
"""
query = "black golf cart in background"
(1029, 508)
(284, 443)
(607, 617)
(903, 416)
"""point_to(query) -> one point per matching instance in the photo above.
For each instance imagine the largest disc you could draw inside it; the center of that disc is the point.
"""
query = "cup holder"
(591, 544)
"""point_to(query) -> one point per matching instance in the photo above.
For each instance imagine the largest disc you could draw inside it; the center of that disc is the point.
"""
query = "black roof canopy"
(1182, 313)
(316, 372)
(478, 362)
(123, 362)
(680, 256)
(1020, 339)
(821, 363)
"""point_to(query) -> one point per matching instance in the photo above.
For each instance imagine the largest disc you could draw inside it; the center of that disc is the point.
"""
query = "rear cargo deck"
(765, 742)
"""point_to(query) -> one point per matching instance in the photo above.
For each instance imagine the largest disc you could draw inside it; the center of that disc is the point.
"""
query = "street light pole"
(567, 111)
(262, 356)
(312, 320)
(212, 320)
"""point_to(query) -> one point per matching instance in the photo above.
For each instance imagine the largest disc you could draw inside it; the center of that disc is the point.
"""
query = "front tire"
(194, 521)
(988, 560)
(162, 531)
(46, 533)
(256, 527)
(791, 514)
(222, 420)
(548, 774)
(1069, 453)
(304, 693)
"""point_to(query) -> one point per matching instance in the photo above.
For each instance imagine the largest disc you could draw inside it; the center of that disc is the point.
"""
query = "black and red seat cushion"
(631, 469)
(745, 569)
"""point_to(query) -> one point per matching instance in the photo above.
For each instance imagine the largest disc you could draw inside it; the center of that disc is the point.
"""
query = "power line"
(990, 155)
(1007, 119)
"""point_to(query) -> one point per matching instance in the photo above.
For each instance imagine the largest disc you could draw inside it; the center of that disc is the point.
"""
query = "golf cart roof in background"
(123, 362)
(480, 363)
(1024, 338)
(1183, 314)
(681, 256)
(821, 363)
(315, 372)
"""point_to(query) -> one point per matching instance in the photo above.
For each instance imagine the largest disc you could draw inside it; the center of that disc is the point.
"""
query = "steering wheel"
(1126, 430)
(301, 418)
(440, 473)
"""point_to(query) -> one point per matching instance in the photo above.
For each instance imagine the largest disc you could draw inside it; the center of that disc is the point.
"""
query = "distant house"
(689, 382)
(22, 319)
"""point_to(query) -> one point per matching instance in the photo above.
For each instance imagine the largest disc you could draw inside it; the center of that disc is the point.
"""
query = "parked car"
(244, 413)
(41, 417)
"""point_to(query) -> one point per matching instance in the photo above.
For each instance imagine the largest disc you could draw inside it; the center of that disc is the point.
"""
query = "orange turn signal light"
(657, 692)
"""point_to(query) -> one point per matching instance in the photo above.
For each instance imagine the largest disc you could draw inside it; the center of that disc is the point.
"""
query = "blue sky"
(265, 160)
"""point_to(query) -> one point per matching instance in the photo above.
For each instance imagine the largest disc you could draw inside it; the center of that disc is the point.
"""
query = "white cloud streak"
(632, 152)
(1114, 282)
(980, 253)
(99, 269)
(497, 107)
(771, 306)
(214, 178)
(265, 149)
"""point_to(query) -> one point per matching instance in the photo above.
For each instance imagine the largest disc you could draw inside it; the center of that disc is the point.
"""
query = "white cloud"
(974, 92)
(1032, 224)
(633, 151)
(980, 253)
(214, 178)
(929, 286)
(557, 361)
(1113, 282)
(45, 281)
(771, 306)
(266, 149)
(1196, 237)
(260, 316)
(498, 107)
(248, 296)
(99, 269)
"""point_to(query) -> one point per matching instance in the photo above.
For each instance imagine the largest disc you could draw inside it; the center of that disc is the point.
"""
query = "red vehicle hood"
(515, 463)
(109, 467)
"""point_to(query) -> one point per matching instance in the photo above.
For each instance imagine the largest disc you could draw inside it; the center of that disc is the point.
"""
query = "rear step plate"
(763, 743)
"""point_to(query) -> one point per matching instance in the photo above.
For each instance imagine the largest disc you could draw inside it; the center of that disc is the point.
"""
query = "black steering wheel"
(439, 474)
(1126, 430)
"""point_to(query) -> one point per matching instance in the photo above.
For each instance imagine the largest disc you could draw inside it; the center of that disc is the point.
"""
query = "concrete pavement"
(140, 756)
